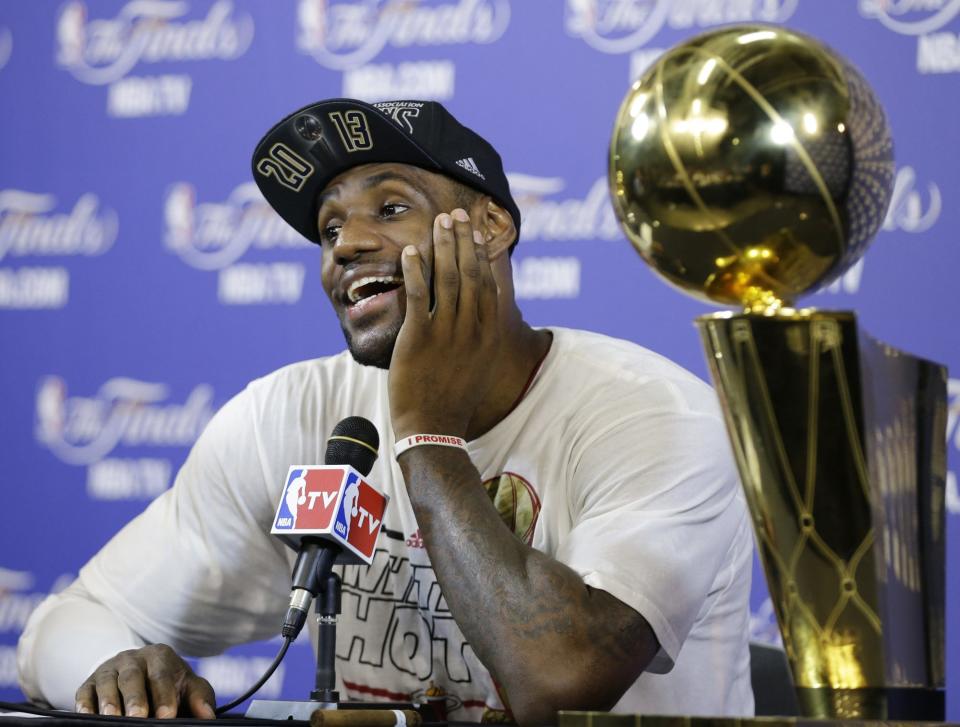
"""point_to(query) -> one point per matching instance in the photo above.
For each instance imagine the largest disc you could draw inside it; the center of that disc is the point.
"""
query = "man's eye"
(391, 210)
(329, 233)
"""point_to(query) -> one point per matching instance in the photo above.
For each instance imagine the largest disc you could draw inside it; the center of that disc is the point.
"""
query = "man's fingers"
(446, 277)
(470, 273)
(418, 295)
(108, 694)
(199, 697)
(163, 692)
(133, 689)
(140, 681)
(86, 697)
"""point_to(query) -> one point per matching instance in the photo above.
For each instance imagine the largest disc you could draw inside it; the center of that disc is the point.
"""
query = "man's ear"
(496, 226)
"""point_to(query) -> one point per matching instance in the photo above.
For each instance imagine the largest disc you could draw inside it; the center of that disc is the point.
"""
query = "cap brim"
(298, 157)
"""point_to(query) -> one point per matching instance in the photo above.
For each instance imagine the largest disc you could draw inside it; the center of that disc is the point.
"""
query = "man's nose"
(357, 235)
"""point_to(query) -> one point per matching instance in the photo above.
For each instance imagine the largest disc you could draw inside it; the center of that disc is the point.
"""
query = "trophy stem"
(840, 442)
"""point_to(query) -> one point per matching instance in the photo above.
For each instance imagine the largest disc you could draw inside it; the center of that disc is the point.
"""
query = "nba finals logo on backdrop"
(124, 413)
(103, 51)
(912, 210)
(6, 46)
(31, 226)
(212, 236)
(938, 49)
(347, 36)
(549, 217)
(628, 26)
(621, 26)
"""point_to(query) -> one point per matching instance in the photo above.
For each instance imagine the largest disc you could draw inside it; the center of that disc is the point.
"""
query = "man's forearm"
(65, 639)
(548, 639)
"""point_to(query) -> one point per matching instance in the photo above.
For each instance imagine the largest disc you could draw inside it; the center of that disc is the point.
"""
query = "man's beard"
(373, 348)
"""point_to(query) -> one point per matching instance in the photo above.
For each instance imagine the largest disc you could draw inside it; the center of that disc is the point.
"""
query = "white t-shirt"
(616, 463)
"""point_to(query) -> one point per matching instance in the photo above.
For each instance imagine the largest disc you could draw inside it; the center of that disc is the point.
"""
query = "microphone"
(330, 514)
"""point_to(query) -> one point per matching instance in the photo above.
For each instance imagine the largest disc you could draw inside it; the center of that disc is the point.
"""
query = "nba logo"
(310, 499)
(312, 19)
(348, 506)
(178, 213)
(364, 513)
(72, 34)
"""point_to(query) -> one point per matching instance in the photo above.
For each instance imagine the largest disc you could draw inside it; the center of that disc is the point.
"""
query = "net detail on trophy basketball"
(748, 166)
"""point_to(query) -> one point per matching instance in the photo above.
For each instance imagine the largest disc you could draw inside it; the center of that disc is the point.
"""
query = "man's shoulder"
(621, 348)
(308, 397)
(621, 368)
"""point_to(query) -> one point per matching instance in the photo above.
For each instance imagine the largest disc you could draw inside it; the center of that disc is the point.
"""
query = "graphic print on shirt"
(517, 502)
(395, 616)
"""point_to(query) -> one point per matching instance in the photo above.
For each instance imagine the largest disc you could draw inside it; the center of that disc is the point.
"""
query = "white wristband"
(418, 440)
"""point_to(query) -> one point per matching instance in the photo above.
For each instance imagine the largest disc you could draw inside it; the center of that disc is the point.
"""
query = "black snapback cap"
(299, 156)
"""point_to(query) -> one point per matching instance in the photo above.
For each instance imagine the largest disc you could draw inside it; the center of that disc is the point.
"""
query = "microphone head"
(355, 442)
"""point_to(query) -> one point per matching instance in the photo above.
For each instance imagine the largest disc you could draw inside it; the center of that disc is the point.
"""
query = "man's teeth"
(353, 292)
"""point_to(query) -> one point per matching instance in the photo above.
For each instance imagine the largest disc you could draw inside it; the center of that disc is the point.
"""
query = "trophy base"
(605, 719)
(908, 703)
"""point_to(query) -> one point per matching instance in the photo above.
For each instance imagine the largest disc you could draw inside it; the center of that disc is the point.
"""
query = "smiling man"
(572, 536)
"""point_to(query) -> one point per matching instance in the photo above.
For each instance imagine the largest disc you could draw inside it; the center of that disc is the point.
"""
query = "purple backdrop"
(143, 280)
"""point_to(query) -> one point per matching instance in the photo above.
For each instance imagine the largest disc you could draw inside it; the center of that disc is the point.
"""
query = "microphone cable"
(287, 640)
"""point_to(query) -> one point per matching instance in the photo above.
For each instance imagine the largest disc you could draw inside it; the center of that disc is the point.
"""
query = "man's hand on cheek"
(442, 360)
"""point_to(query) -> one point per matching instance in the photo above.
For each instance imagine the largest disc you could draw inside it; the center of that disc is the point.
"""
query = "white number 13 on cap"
(353, 129)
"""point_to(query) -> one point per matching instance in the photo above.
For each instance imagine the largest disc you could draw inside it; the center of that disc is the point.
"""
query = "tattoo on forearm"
(502, 592)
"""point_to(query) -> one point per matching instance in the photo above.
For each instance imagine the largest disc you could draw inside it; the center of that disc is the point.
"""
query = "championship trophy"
(750, 165)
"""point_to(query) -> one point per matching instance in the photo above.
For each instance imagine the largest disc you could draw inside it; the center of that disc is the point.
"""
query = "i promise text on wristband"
(418, 440)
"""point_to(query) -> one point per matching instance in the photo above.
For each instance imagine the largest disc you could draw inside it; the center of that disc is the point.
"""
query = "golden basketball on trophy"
(748, 166)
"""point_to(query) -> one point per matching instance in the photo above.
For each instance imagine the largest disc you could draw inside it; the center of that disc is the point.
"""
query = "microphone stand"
(324, 694)
(328, 608)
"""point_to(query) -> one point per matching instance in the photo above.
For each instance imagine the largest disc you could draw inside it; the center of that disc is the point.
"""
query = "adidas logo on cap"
(471, 166)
